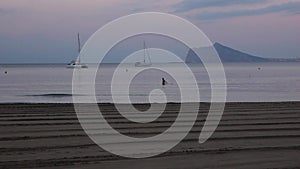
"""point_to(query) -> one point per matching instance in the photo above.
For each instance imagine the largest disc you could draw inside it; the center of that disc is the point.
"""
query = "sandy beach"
(250, 135)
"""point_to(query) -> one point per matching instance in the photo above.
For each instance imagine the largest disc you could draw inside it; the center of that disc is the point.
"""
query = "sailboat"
(144, 63)
(77, 63)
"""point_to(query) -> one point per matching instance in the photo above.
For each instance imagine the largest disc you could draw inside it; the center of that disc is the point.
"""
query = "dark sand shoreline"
(250, 135)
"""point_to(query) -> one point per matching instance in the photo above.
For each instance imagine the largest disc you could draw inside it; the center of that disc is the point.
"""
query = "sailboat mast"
(144, 52)
(79, 47)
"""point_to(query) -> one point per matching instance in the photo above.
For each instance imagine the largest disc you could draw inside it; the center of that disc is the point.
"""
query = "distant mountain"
(228, 54)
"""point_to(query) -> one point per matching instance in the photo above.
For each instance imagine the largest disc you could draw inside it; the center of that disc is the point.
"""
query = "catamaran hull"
(76, 66)
(139, 64)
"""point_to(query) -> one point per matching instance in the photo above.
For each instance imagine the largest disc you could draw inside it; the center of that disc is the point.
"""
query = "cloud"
(4, 11)
(290, 8)
(188, 5)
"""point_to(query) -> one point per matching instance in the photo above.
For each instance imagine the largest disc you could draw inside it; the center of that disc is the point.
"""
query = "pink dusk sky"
(44, 31)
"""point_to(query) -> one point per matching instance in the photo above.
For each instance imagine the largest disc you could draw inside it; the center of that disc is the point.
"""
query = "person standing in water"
(163, 81)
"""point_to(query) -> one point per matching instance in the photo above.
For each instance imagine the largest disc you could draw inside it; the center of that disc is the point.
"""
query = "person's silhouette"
(163, 81)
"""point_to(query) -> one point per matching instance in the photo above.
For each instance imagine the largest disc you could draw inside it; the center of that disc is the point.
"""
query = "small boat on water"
(74, 64)
(146, 55)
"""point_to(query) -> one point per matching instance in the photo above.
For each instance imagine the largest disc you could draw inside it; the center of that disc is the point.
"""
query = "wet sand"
(250, 135)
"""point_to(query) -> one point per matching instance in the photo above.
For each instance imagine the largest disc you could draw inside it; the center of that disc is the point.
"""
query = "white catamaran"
(77, 63)
(144, 63)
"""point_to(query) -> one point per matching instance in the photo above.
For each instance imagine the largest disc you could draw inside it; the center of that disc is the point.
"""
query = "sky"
(44, 31)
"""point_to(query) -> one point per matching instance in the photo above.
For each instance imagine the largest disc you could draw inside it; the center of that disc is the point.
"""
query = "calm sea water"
(252, 82)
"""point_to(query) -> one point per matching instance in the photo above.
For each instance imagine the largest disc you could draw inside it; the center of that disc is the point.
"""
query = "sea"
(245, 82)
